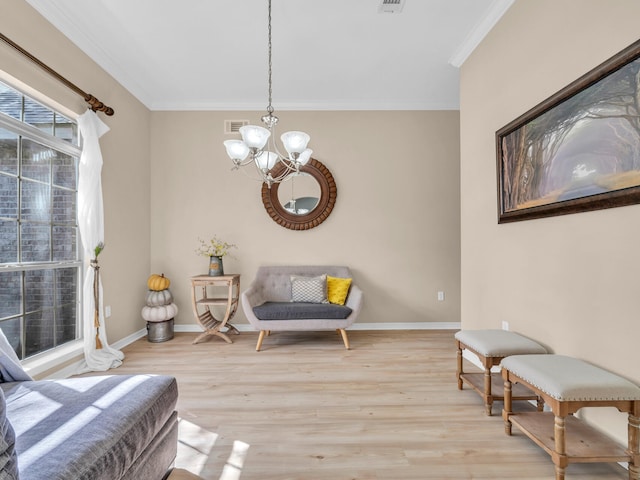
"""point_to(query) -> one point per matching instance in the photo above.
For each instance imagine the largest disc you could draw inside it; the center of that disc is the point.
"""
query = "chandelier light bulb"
(295, 142)
(305, 156)
(266, 160)
(236, 149)
(254, 136)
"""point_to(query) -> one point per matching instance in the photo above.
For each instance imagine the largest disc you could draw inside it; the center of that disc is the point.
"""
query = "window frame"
(32, 133)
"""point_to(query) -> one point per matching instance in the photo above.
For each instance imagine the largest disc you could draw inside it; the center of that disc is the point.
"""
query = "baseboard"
(129, 339)
(356, 326)
(72, 368)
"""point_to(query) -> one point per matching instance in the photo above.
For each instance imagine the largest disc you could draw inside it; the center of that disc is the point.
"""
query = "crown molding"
(495, 12)
(195, 105)
(79, 34)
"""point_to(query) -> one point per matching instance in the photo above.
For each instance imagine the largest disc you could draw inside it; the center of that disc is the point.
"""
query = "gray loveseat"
(107, 427)
(267, 302)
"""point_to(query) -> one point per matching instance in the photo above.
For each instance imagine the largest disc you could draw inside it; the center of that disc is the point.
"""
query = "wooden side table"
(211, 294)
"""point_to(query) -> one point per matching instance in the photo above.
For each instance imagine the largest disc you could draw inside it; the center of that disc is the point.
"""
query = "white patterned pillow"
(309, 289)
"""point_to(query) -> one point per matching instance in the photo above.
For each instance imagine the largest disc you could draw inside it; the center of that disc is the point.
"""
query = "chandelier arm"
(273, 144)
(282, 176)
(246, 162)
(253, 174)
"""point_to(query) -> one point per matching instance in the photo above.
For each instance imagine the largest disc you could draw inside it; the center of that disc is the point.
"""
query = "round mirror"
(305, 200)
(299, 194)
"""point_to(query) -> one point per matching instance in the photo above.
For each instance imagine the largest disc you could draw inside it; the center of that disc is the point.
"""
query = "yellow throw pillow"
(338, 289)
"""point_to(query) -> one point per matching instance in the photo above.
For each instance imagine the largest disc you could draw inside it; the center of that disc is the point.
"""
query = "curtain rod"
(94, 103)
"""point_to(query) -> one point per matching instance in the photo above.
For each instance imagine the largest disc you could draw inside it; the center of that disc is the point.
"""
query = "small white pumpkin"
(160, 313)
(159, 298)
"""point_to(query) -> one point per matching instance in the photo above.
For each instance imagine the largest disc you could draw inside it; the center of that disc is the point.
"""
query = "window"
(40, 256)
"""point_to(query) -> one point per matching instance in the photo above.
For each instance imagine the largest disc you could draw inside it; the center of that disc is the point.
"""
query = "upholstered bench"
(566, 385)
(491, 346)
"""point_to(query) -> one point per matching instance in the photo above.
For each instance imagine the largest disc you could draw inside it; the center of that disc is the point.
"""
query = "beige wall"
(395, 222)
(570, 281)
(167, 181)
(125, 175)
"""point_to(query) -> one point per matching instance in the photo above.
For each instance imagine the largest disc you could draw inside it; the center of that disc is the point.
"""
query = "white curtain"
(98, 355)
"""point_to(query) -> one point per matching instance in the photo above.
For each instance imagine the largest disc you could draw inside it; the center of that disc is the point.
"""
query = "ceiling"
(327, 54)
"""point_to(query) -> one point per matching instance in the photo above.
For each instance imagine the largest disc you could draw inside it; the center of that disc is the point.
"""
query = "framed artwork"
(579, 150)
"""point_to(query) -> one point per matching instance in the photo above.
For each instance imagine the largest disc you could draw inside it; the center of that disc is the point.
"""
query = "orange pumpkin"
(157, 282)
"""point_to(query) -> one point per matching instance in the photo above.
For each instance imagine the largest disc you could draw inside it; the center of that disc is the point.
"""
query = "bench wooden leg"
(260, 339)
(345, 339)
(559, 456)
(488, 396)
(634, 446)
(507, 404)
(459, 370)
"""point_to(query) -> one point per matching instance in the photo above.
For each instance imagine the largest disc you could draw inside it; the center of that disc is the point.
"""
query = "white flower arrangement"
(214, 248)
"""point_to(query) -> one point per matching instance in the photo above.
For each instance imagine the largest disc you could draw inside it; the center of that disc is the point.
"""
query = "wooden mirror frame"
(328, 195)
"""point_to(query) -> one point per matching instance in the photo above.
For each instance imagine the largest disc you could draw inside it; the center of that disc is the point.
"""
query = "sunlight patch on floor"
(233, 468)
(194, 446)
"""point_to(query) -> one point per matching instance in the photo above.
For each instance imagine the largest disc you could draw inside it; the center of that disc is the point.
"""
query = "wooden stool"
(567, 384)
(491, 346)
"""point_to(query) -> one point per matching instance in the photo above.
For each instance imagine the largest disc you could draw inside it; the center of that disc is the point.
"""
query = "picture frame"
(578, 150)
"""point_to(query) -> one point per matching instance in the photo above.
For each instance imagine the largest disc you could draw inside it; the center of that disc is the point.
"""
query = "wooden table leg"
(232, 329)
(212, 326)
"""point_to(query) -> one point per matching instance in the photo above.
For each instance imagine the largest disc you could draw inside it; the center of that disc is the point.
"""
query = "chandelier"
(258, 146)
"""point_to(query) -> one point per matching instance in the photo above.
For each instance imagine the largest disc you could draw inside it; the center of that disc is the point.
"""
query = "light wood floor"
(305, 408)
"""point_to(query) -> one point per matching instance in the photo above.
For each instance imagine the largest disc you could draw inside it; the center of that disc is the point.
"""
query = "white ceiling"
(327, 54)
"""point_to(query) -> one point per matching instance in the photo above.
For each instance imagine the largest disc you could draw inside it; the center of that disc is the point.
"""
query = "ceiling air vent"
(233, 126)
(390, 6)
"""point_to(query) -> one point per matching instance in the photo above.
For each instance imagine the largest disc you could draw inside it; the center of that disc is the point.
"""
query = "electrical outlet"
(440, 296)
(107, 311)
(505, 325)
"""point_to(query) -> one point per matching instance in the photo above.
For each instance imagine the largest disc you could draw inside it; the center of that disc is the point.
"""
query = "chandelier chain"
(258, 145)
(269, 107)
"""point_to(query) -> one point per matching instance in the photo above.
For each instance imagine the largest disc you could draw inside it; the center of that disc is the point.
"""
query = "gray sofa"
(268, 307)
(107, 427)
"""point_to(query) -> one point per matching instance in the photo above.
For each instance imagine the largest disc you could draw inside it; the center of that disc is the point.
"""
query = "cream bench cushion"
(569, 379)
(498, 343)
(491, 346)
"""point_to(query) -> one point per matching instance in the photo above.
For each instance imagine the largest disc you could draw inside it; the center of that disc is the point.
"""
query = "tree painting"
(586, 145)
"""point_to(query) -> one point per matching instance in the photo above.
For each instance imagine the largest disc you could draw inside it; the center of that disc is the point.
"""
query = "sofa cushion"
(300, 311)
(87, 428)
(8, 456)
(309, 289)
(338, 289)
